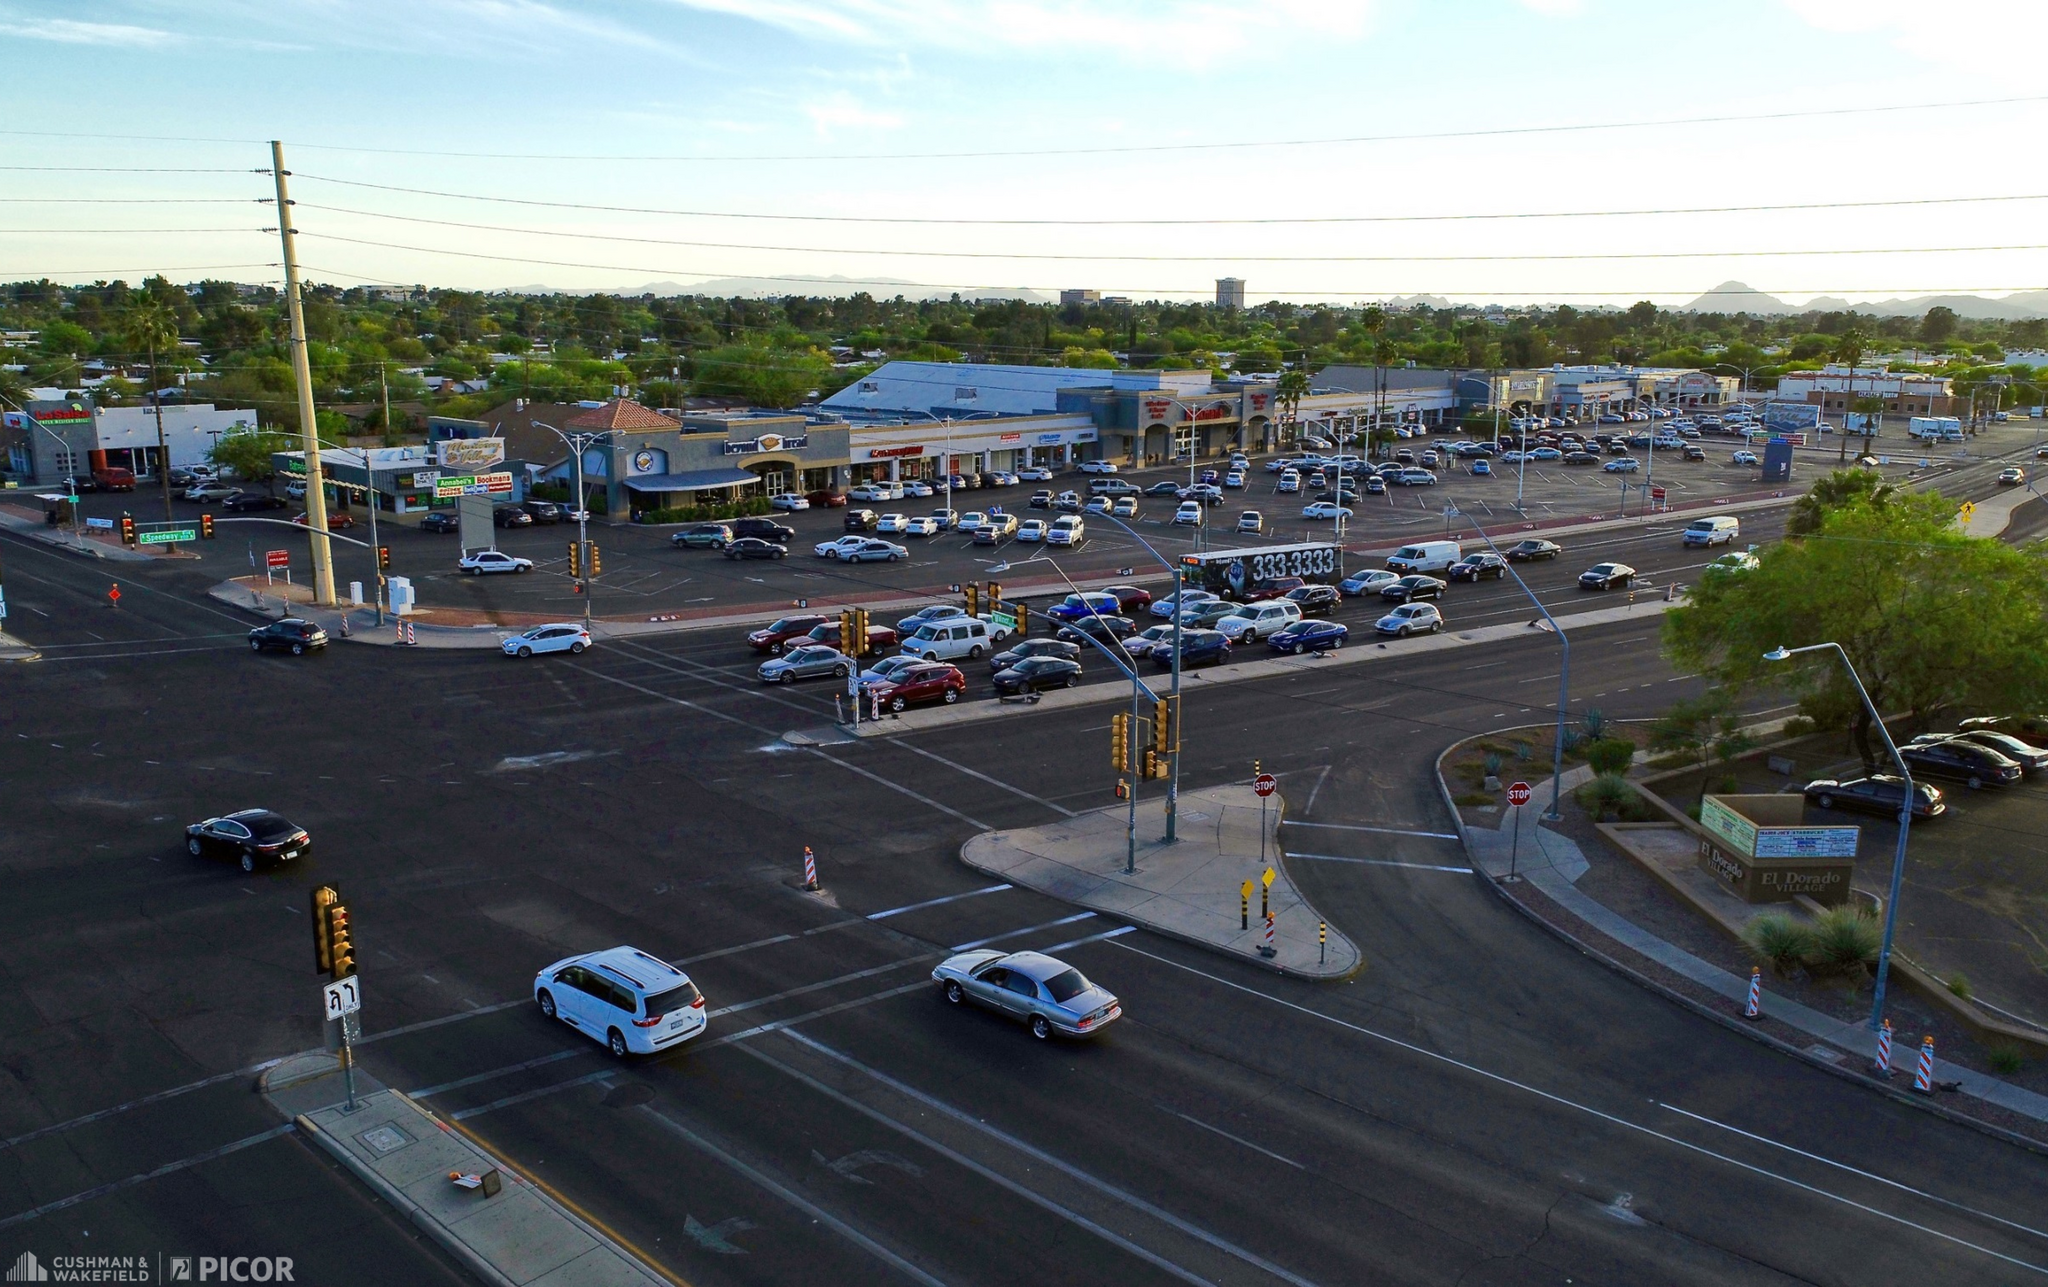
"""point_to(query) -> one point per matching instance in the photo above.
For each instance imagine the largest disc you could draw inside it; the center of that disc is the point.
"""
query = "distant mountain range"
(776, 287)
(1736, 297)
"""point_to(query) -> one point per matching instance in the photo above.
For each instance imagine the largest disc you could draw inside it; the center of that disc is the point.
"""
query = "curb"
(294, 1070)
(1708, 1012)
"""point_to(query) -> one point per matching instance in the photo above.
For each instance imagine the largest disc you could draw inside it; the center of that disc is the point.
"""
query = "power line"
(133, 201)
(1219, 222)
(1133, 290)
(117, 231)
(1194, 259)
(121, 169)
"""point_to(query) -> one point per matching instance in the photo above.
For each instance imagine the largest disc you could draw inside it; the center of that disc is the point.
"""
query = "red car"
(826, 498)
(1274, 588)
(1129, 598)
(338, 520)
(929, 682)
(827, 633)
(771, 638)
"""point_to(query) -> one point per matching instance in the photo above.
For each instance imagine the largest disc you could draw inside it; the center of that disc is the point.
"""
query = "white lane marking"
(1092, 938)
(167, 1168)
(1587, 1109)
(1029, 1150)
(1868, 1175)
(157, 1097)
(822, 984)
(817, 1213)
(958, 767)
(984, 942)
(934, 902)
(1381, 862)
(1234, 1139)
(1382, 831)
(441, 1087)
(525, 1095)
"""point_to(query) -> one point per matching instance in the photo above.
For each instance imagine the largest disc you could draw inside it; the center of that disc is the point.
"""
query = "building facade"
(49, 441)
(1836, 388)
(1230, 292)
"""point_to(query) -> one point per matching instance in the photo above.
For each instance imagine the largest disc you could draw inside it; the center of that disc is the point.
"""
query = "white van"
(1425, 556)
(948, 638)
(1719, 530)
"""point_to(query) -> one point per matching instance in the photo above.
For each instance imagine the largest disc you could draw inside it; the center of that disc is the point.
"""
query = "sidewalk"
(521, 1236)
(1189, 890)
(1552, 864)
(28, 523)
(12, 649)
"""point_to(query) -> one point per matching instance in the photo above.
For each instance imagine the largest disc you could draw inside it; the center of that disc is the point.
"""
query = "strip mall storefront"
(926, 451)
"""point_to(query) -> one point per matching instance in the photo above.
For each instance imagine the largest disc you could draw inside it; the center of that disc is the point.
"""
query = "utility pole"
(370, 478)
(163, 448)
(309, 428)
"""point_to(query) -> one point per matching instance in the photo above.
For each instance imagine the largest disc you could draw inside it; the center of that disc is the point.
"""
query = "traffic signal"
(860, 632)
(596, 564)
(341, 943)
(847, 627)
(127, 530)
(575, 558)
(1155, 766)
(995, 596)
(1123, 789)
(324, 897)
(1120, 742)
(1165, 725)
(973, 599)
(383, 558)
(206, 527)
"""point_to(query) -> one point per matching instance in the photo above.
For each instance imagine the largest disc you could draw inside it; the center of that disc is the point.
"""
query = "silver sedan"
(1045, 993)
(806, 663)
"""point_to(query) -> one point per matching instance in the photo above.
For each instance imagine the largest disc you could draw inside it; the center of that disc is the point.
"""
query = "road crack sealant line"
(1612, 1119)
(1852, 1075)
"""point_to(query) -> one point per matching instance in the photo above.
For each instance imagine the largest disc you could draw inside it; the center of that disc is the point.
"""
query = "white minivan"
(1718, 530)
(1425, 556)
(947, 639)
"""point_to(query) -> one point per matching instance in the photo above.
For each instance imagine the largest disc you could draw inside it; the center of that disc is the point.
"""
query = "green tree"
(1834, 491)
(1910, 599)
(247, 453)
(765, 377)
(1849, 348)
(1288, 392)
(1707, 727)
(1938, 325)
(150, 324)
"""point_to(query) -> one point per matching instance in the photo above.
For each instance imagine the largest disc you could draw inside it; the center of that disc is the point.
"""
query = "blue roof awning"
(695, 480)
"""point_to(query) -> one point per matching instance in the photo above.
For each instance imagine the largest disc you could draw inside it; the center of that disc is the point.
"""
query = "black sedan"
(253, 500)
(1107, 629)
(1167, 488)
(440, 521)
(753, 547)
(1035, 648)
(1525, 551)
(1410, 588)
(1034, 674)
(1315, 600)
(1479, 567)
(1979, 766)
(510, 516)
(250, 836)
(1879, 793)
(2029, 757)
(289, 634)
(1606, 576)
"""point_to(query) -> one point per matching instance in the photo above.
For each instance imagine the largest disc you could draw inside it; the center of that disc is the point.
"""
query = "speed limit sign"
(1519, 794)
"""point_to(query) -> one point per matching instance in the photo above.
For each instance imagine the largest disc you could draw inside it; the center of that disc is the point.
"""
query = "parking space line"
(935, 902)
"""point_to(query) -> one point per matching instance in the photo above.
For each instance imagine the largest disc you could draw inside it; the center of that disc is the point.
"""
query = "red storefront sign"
(890, 453)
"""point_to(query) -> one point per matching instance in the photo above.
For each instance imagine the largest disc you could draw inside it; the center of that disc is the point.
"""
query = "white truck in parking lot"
(1935, 428)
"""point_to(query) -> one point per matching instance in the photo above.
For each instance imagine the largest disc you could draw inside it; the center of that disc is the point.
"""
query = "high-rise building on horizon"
(1230, 292)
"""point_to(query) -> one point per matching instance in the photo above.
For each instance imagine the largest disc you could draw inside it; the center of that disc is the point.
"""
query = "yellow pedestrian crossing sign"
(1966, 511)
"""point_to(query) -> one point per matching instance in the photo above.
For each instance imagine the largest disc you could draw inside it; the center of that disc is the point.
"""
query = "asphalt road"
(1478, 1106)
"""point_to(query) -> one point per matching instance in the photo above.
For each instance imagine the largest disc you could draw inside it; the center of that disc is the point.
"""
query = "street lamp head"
(1777, 654)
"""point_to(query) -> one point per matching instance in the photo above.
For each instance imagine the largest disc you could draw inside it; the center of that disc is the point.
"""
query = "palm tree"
(1848, 351)
(1288, 392)
(152, 326)
(1838, 490)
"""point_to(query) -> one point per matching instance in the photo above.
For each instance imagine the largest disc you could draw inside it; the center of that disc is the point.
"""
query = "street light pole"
(1891, 902)
(1564, 680)
(578, 443)
(63, 450)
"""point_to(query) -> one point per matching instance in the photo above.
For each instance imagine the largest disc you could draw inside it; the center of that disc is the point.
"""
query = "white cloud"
(843, 111)
(65, 31)
(1186, 31)
(2020, 24)
(1555, 8)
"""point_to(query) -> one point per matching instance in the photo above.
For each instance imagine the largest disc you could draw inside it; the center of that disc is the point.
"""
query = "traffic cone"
(344, 625)
(810, 870)
(1884, 1049)
(410, 641)
(1923, 1073)
(1755, 1007)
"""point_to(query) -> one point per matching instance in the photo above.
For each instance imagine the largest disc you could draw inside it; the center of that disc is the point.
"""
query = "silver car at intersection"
(1046, 994)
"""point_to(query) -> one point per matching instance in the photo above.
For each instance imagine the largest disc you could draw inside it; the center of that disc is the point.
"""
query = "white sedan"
(921, 490)
(892, 523)
(493, 561)
(1098, 466)
(788, 501)
(840, 548)
(920, 527)
(1744, 458)
(1035, 475)
(560, 636)
(1032, 529)
(1325, 509)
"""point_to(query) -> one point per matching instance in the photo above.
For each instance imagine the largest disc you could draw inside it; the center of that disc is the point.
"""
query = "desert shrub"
(1610, 754)
(2005, 1058)
(1593, 724)
(1845, 942)
(1607, 798)
(1493, 762)
(1959, 984)
(1800, 726)
(1779, 940)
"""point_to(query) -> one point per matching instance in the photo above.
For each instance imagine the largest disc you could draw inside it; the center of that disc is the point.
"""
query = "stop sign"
(1519, 794)
(1265, 784)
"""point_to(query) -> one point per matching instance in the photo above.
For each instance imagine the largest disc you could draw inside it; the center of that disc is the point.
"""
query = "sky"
(583, 144)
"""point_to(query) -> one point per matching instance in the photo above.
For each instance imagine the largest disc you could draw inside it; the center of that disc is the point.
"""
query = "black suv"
(861, 520)
(510, 516)
(288, 635)
(1978, 766)
(1315, 600)
(766, 529)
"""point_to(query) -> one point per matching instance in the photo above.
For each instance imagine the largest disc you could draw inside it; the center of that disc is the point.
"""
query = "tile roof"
(621, 413)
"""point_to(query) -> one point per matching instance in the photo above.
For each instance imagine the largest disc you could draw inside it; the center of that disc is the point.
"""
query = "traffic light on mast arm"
(383, 558)
(849, 624)
(1166, 725)
(596, 563)
(575, 558)
(1120, 742)
(860, 632)
(127, 530)
(341, 943)
(206, 527)
(324, 897)
(973, 599)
